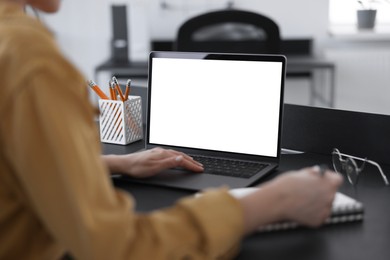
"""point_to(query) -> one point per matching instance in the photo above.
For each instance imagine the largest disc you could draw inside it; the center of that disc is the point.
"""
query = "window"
(343, 12)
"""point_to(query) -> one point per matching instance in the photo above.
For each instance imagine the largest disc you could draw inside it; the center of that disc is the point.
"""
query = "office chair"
(230, 30)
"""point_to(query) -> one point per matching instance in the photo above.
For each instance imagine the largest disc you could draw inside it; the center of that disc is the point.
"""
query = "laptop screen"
(219, 103)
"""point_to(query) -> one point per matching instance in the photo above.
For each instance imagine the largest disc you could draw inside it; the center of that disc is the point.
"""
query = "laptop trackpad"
(189, 180)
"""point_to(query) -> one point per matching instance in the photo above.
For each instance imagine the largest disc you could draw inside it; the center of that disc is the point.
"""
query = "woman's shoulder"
(28, 48)
(25, 34)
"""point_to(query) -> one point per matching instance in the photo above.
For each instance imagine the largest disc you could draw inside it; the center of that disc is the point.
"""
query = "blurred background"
(361, 57)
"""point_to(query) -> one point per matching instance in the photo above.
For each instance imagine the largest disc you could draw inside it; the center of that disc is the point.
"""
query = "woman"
(56, 196)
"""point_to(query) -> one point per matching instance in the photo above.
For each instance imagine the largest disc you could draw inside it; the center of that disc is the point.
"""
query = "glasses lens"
(351, 170)
(337, 161)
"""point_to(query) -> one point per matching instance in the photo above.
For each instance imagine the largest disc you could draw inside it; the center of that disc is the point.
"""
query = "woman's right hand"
(302, 196)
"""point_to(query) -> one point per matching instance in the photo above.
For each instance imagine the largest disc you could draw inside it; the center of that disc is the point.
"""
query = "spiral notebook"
(344, 209)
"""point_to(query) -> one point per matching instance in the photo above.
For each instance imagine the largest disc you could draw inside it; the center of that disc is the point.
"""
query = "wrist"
(114, 163)
(280, 201)
(263, 207)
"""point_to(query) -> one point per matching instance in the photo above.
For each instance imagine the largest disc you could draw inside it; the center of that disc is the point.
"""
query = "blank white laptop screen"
(221, 105)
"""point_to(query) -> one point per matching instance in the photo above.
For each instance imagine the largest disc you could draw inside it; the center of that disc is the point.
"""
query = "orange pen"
(128, 86)
(118, 88)
(97, 90)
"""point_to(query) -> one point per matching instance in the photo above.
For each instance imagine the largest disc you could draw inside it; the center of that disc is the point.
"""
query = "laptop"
(225, 110)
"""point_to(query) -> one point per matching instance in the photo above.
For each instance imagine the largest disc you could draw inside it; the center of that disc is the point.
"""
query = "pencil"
(97, 90)
(128, 86)
(118, 88)
(112, 90)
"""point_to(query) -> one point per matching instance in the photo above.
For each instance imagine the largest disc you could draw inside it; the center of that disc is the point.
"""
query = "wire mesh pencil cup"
(120, 122)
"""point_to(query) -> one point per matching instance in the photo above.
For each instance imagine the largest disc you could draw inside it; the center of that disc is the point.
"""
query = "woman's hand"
(150, 162)
(303, 196)
(308, 196)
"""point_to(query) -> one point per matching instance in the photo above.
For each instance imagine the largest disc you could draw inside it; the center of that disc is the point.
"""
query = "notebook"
(344, 209)
(223, 109)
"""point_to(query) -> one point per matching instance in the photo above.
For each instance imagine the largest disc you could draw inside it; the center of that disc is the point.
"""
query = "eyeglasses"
(346, 164)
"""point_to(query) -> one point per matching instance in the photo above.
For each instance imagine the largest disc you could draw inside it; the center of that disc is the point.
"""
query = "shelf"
(351, 32)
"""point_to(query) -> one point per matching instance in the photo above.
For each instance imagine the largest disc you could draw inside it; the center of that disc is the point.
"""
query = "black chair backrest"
(235, 31)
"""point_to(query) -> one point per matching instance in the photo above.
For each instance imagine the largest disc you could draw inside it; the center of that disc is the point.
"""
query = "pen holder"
(120, 122)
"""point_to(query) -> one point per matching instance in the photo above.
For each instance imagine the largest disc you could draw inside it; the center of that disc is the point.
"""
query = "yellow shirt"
(55, 193)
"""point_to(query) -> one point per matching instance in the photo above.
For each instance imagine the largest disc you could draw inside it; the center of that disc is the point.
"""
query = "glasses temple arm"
(380, 170)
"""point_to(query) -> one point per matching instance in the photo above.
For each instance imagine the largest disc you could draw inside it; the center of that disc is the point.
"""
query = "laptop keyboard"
(229, 167)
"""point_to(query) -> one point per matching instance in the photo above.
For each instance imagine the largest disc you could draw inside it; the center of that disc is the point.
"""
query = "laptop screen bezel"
(218, 56)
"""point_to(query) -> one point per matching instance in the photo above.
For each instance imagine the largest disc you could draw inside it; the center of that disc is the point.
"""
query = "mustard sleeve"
(55, 152)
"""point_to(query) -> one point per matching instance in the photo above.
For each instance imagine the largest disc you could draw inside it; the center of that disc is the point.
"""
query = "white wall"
(83, 29)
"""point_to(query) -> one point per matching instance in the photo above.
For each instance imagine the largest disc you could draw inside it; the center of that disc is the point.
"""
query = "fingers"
(164, 153)
(170, 159)
(337, 179)
(180, 161)
(331, 176)
(333, 182)
(312, 193)
(188, 163)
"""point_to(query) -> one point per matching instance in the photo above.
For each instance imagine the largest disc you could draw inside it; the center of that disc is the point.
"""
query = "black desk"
(361, 240)
(297, 66)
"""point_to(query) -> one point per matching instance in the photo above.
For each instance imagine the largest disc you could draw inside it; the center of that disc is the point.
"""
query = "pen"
(321, 169)
(118, 88)
(128, 86)
(97, 90)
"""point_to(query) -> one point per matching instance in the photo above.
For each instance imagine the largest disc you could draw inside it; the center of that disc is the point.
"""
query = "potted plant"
(366, 16)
